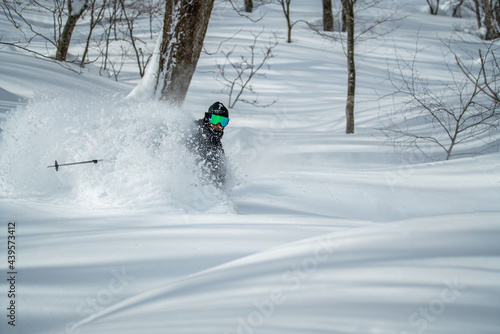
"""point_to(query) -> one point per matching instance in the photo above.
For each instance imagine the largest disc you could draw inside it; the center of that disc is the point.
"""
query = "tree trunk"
(456, 10)
(491, 30)
(478, 13)
(348, 6)
(65, 39)
(93, 23)
(344, 20)
(184, 29)
(285, 5)
(433, 10)
(327, 15)
(248, 6)
(496, 13)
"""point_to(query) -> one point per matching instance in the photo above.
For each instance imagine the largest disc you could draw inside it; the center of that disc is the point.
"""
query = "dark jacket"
(207, 146)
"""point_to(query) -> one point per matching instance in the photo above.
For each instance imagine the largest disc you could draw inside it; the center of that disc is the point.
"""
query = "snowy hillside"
(318, 231)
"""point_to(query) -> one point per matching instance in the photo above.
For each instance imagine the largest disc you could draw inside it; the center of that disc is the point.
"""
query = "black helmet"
(217, 109)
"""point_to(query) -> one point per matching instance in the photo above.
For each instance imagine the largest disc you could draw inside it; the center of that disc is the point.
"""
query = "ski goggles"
(216, 119)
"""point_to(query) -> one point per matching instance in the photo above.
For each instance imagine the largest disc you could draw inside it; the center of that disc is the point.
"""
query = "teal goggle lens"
(216, 119)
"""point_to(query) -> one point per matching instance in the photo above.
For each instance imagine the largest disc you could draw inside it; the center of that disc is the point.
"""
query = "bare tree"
(59, 37)
(184, 30)
(154, 10)
(130, 21)
(110, 25)
(237, 80)
(487, 77)
(433, 7)
(248, 6)
(443, 118)
(357, 30)
(457, 8)
(496, 12)
(488, 17)
(96, 15)
(489, 21)
(348, 8)
(285, 6)
(478, 13)
(75, 11)
(327, 15)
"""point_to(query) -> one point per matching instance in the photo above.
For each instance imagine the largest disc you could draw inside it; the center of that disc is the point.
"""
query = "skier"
(205, 143)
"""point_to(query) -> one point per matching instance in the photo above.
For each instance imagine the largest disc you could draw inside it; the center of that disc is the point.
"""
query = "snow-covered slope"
(319, 232)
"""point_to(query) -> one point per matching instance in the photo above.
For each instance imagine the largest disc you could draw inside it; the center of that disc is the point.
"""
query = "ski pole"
(57, 165)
